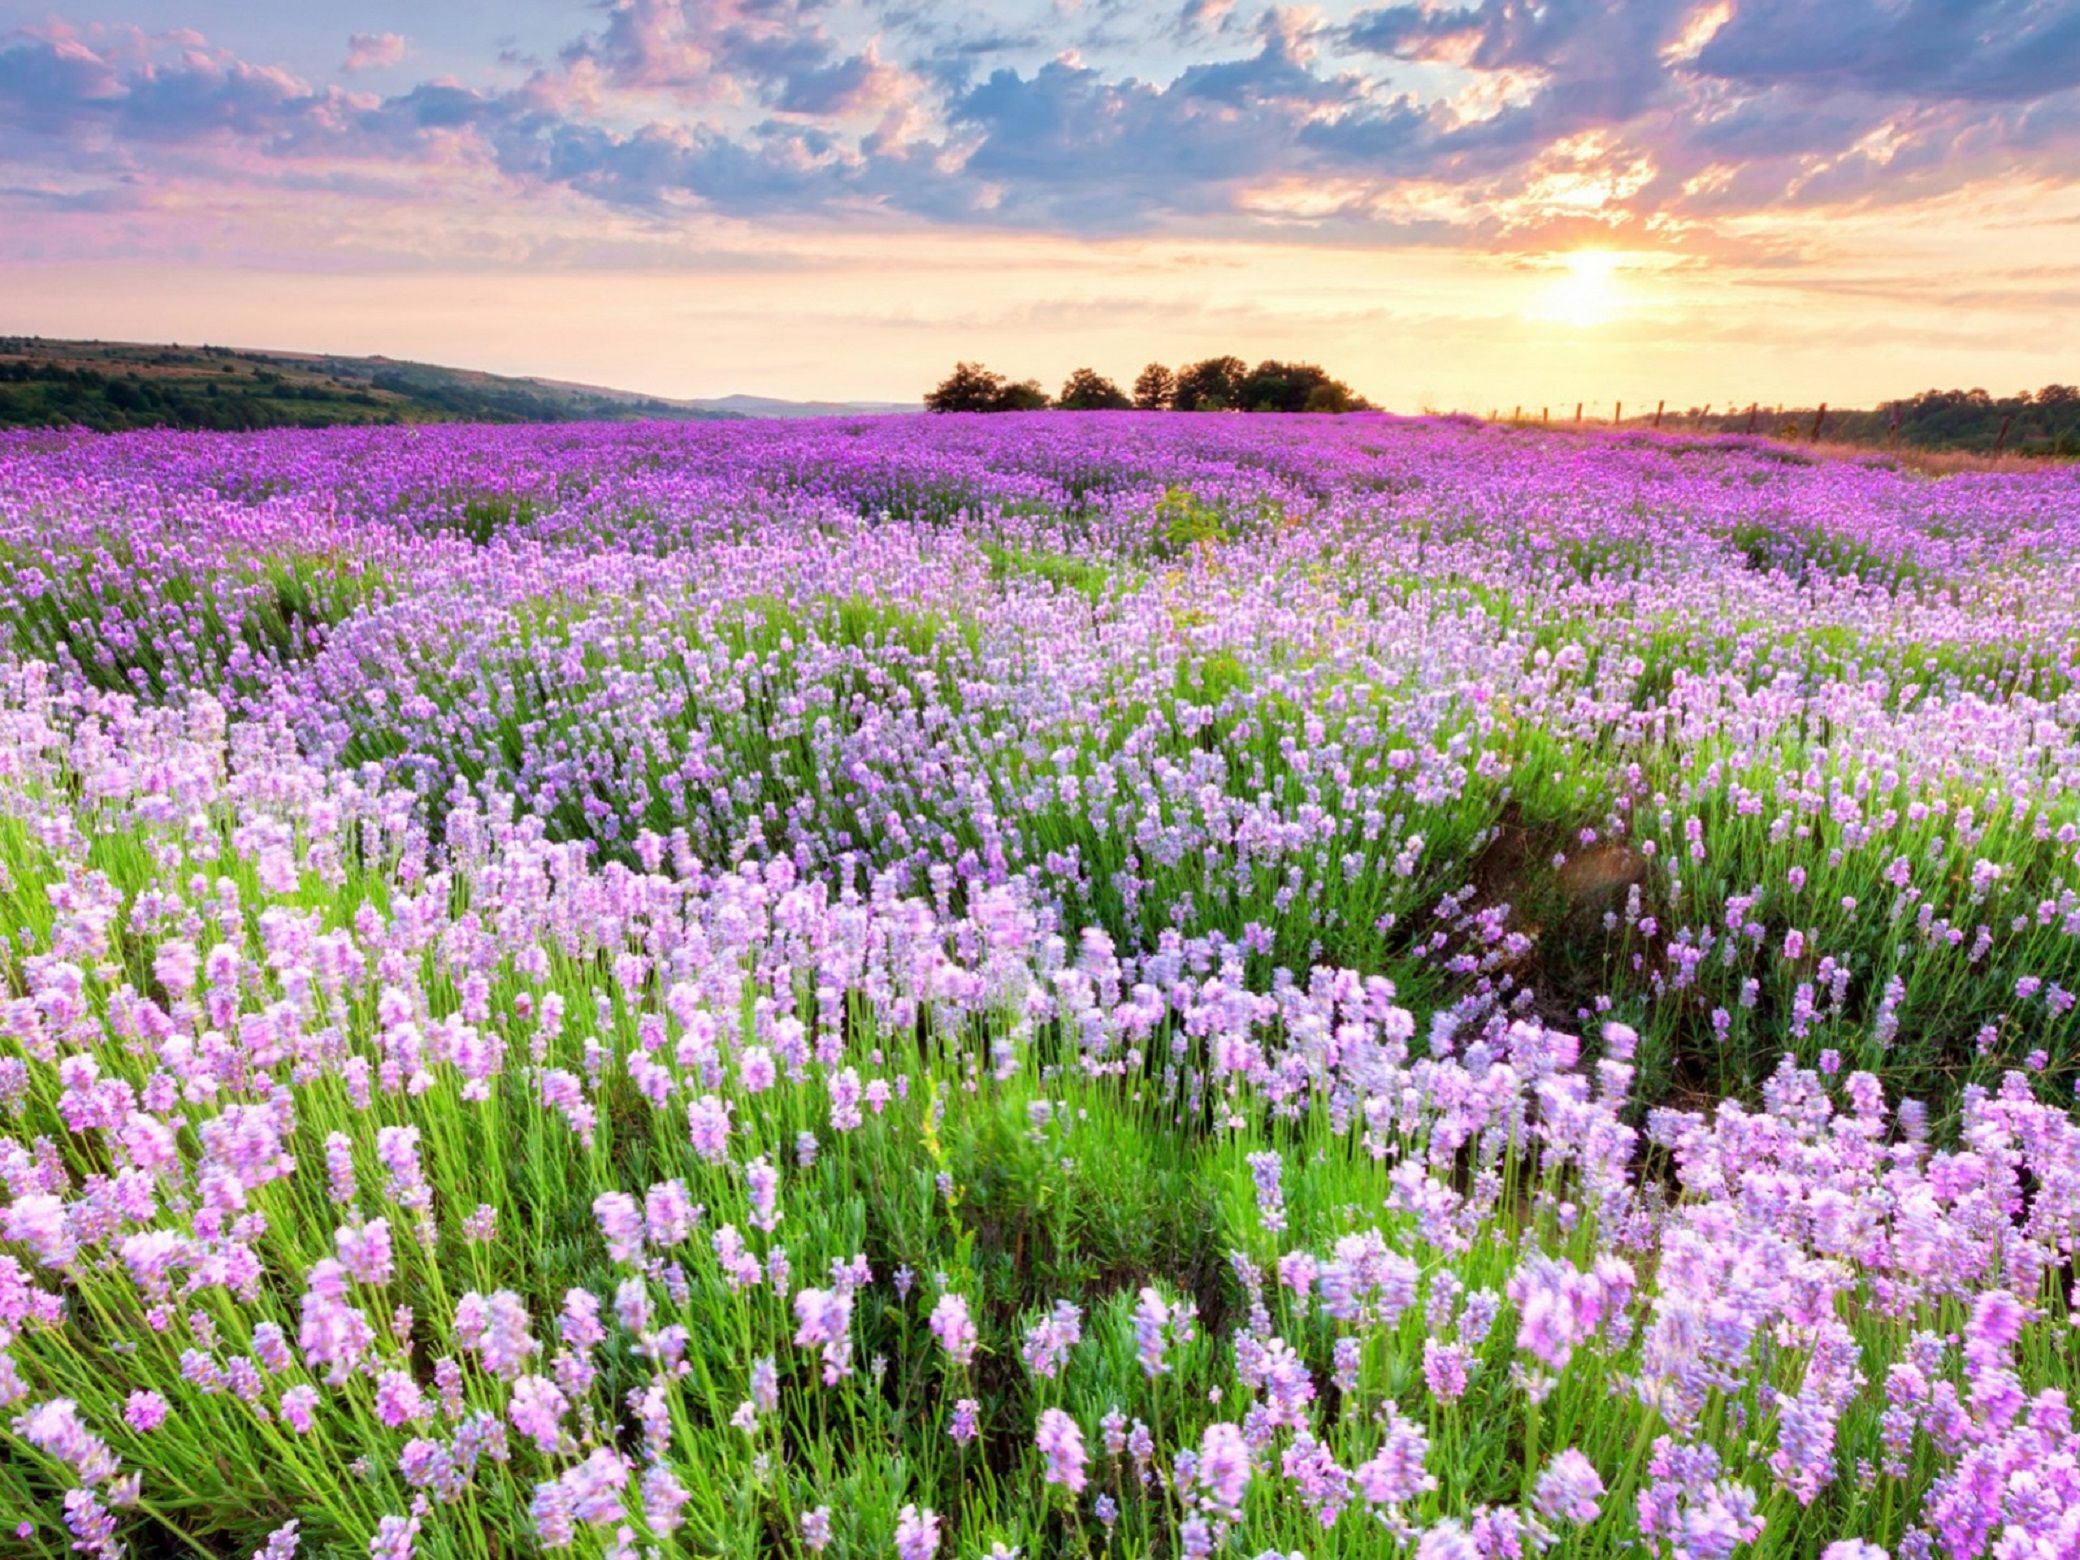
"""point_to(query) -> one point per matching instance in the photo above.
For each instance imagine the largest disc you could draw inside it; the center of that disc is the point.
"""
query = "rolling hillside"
(111, 386)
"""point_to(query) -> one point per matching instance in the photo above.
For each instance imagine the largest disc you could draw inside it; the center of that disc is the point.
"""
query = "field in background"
(1216, 985)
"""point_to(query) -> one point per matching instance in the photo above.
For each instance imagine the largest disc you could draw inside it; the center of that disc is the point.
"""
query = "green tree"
(1335, 396)
(969, 388)
(1087, 390)
(1025, 396)
(1213, 385)
(1273, 386)
(1155, 388)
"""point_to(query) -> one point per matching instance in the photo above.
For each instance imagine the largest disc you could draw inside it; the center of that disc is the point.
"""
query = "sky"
(1461, 206)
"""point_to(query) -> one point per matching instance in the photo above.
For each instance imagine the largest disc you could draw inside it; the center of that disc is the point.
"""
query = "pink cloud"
(374, 51)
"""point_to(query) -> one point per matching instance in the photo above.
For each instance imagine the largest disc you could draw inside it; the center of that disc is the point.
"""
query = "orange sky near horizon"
(882, 318)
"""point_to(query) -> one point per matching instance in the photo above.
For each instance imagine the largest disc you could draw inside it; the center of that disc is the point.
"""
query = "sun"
(1586, 291)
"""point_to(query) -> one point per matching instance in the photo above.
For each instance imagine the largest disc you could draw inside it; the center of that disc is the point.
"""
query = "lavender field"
(1071, 984)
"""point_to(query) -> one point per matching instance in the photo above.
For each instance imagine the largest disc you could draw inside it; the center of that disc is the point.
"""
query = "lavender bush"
(1074, 984)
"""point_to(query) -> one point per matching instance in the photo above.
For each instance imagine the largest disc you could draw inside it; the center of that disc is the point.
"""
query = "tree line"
(1217, 384)
(2041, 422)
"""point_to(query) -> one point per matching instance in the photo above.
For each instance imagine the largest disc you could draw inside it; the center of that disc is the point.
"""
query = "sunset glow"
(1447, 204)
(1587, 291)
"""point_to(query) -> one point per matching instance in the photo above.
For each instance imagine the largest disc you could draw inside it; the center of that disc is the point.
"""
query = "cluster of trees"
(2046, 422)
(1219, 384)
(2041, 422)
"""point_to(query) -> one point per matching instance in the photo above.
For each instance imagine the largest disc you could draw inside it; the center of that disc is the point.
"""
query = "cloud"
(1977, 51)
(1761, 103)
(47, 83)
(374, 51)
(1072, 144)
(1497, 118)
(775, 52)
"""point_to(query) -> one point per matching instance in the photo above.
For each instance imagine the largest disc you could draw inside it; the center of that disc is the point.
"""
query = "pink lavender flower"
(578, 1324)
(620, 1220)
(364, 1251)
(1396, 1473)
(1444, 1369)
(1447, 1540)
(144, 1412)
(664, 1497)
(1687, 1511)
(669, 1213)
(395, 1538)
(1060, 1441)
(845, 1097)
(536, 1409)
(823, 1320)
(917, 1533)
(1266, 1169)
(1990, 1332)
(1049, 1340)
(591, 1494)
(1365, 1280)
(56, 1429)
(339, 1169)
(299, 1405)
(399, 1401)
(37, 1220)
(707, 1126)
(1224, 1469)
(765, 1384)
(1153, 1330)
(91, 1524)
(755, 1071)
(955, 1330)
(816, 1529)
(632, 1305)
(397, 1150)
(1323, 1487)
(1558, 1308)
(496, 1330)
(1568, 1489)
(763, 1184)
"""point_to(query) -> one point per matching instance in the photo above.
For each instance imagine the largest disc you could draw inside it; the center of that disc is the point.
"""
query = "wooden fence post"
(1578, 414)
(1617, 413)
(1657, 412)
(1819, 417)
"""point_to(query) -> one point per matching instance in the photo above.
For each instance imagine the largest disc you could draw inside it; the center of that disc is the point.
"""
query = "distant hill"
(114, 385)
